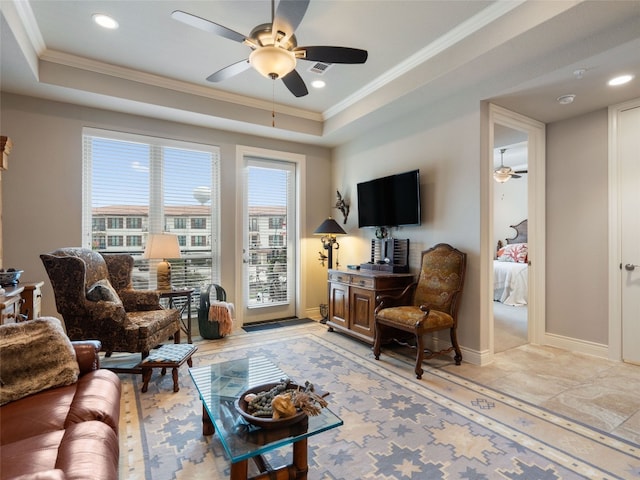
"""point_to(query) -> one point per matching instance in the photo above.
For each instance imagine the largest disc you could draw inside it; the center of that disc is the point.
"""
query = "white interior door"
(629, 175)
(269, 245)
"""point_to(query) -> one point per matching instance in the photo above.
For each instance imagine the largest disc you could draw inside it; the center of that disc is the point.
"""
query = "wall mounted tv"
(390, 201)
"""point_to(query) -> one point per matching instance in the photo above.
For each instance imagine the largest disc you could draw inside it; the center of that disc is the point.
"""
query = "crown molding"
(95, 66)
(451, 38)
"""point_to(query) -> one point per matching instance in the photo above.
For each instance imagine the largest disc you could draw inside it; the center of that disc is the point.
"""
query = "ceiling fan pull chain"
(273, 103)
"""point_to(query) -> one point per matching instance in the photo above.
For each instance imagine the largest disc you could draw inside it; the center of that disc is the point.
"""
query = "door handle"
(630, 267)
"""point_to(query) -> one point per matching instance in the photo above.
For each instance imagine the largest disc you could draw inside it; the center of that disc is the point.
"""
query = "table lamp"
(329, 229)
(162, 246)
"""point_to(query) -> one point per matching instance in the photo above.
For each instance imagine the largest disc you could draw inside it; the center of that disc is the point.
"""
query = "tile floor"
(594, 391)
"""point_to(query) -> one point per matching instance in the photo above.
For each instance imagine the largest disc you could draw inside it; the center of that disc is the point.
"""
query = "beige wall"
(42, 190)
(577, 226)
(448, 156)
(42, 198)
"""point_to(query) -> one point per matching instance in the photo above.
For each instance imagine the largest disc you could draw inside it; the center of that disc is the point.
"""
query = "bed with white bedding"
(511, 269)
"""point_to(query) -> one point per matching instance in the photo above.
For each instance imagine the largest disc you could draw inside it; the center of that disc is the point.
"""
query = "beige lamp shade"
(162, 246)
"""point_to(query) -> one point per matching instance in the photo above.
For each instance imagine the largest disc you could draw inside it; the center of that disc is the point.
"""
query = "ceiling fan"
(502, 173)
(274, 46)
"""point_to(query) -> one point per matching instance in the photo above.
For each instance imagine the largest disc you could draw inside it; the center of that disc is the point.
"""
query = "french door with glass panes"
(269, 249)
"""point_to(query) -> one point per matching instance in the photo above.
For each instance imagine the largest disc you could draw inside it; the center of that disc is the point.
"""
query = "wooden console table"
(10, 303)
(352, 299)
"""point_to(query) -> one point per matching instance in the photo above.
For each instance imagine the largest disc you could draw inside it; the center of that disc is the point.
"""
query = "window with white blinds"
(136, 185)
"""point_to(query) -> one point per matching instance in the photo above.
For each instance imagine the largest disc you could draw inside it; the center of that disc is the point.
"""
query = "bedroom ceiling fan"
(274, 47)
(502, 173)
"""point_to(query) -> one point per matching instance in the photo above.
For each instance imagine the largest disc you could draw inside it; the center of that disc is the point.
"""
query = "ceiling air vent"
(320, 68)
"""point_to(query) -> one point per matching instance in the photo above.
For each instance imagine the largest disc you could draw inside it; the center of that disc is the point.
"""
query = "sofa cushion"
(89, 450)
(30, 455)
(55, 474)
(35, 355)
(36, 414)
(97, 398)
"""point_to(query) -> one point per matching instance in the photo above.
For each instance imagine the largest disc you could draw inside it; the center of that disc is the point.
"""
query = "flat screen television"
(390, 201)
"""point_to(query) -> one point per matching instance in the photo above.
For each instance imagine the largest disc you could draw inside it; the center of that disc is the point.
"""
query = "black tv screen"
(390, 201)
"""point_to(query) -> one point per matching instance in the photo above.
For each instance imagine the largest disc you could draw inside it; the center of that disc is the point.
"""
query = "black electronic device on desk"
(389, 255)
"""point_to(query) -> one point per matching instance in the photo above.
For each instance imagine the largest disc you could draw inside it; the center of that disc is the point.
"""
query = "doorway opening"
(513, 131)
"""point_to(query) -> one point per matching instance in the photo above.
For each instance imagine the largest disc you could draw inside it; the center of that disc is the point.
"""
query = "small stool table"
(171, 355)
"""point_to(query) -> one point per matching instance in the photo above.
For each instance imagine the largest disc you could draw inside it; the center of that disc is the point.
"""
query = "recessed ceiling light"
(318, 84)
(566, 99)
(105, 21)
(621, 80)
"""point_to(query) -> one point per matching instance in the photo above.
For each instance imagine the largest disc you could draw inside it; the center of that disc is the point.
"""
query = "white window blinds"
(135, 185)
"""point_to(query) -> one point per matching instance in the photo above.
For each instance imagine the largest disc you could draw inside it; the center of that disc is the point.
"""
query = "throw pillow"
(103, 290)
(515, 252)
(35, 355)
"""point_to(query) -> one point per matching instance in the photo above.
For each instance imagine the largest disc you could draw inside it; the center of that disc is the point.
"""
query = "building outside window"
(182, 240)
(99, 242)
(115, 241)
(276, 223)
(114, 223)
(253, 224)
(198, 223)
(199, 241)
(99, 224)
(276, 240)
(134, 240)
(180, 223)
(134, 223)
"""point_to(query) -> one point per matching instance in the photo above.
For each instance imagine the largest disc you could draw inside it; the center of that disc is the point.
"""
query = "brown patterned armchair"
(95, 297)
(429, 305)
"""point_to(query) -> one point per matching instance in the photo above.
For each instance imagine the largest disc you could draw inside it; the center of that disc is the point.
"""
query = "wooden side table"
(10, 303)
(32, 295)
(185, 293)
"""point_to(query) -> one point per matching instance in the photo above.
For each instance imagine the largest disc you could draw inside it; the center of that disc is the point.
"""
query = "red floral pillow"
(515, 252)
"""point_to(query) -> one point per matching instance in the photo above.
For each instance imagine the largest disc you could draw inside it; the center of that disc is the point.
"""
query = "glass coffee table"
(219, 386)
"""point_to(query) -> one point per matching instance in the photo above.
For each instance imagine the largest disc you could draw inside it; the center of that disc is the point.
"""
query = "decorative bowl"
(10, 278)
(265, 422)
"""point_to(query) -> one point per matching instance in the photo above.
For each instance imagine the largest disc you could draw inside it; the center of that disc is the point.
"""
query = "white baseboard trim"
(575, 345)
(476, 357)
(313, 313)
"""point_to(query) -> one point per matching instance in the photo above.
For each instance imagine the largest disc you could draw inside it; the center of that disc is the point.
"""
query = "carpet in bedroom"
(395, 427)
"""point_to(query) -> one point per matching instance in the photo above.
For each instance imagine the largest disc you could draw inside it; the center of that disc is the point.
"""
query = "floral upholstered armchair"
(95, 297)
(429, 305)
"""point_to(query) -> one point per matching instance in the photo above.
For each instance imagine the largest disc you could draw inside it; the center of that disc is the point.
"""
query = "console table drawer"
(364, 282)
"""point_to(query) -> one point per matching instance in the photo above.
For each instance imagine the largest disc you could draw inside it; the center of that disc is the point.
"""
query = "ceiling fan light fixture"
(501, 175)
(272, 62)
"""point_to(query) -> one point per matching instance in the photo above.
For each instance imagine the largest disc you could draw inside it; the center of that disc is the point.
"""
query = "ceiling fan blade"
(289, 15)
(207, 26)
(333, 54)
(293, 81)
(229, 71)
(513, 175)
(521, 171)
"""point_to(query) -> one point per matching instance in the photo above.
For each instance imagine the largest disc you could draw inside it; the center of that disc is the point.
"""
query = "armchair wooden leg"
(456, 347)
(377, 342)
(419, 355)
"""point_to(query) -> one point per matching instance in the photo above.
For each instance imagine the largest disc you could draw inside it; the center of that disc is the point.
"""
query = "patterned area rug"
(395, 427)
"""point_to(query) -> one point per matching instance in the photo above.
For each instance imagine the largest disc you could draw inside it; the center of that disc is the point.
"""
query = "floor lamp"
(329, 229)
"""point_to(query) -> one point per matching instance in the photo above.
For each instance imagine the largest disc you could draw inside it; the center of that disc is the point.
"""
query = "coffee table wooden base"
(240, 470)
(296, 471)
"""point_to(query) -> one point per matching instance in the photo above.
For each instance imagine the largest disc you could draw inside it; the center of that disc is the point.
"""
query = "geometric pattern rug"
(395, 426)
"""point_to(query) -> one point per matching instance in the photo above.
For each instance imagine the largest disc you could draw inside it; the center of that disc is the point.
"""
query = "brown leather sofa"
(65, 433)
